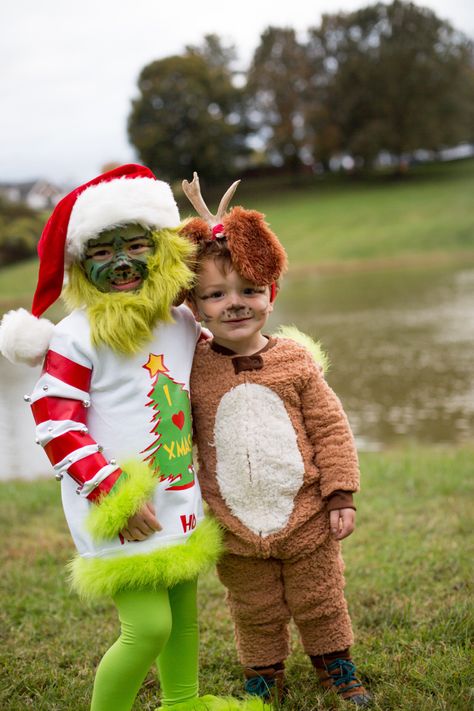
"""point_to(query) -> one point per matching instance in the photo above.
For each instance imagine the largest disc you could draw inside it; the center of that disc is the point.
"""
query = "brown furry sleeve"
(330, 434)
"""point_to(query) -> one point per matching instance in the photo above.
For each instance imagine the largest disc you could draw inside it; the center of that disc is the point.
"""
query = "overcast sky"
(69, 70)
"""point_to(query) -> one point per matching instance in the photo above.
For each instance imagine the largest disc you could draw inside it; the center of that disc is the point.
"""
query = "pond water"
(401, 345)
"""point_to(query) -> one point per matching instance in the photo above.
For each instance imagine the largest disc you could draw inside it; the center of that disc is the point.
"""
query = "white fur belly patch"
(259, 465)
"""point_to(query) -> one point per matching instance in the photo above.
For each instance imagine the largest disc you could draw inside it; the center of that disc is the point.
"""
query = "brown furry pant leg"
(264, 593)
(314, 590)
(257, 604)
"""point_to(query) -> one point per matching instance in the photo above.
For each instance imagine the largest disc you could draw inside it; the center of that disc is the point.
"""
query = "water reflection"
(400, 344)
(20, 457)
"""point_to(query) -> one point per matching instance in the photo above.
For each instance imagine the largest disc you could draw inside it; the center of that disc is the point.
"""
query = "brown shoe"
(268, 684)
(340, 676)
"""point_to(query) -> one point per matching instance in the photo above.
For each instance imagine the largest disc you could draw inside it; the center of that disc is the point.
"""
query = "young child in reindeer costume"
(277, 461)
(113, 415)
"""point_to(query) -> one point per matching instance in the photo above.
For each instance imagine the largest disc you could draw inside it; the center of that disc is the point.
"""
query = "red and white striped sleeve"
(59, 402)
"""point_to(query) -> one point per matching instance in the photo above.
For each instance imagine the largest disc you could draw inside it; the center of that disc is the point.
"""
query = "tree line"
(20, 227)
(387, 79)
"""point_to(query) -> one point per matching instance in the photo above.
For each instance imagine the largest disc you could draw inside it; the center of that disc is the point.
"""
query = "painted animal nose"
(236, 312)
(122, 265)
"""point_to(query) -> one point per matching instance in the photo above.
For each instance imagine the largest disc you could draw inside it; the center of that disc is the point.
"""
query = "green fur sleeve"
(133, 489)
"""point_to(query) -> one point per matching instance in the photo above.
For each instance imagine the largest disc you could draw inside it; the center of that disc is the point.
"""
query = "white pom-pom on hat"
(24, 338)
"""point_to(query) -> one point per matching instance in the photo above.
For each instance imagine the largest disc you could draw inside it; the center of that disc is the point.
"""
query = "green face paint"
(117, 259)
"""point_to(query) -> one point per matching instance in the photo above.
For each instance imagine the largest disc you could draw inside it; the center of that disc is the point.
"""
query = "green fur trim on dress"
(218, 703)
(164, 567)
(133, 489)
(314, 347)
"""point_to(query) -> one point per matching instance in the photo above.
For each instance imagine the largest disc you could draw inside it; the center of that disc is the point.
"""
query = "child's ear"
(273, 291)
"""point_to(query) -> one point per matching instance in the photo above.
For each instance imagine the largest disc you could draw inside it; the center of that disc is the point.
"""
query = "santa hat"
(127, 194)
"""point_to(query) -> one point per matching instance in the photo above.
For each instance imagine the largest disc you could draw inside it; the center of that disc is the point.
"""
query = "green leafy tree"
(276, 88)
(189, 114)
(391, 77)
(20, 229)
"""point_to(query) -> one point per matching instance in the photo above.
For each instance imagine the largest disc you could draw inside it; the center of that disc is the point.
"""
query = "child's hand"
(342, 523)
(142, 524)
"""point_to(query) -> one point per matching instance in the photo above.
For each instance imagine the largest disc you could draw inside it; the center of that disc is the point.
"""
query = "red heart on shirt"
(178, 419)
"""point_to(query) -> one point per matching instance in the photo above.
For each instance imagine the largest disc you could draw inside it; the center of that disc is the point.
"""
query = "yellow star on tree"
(155, 365)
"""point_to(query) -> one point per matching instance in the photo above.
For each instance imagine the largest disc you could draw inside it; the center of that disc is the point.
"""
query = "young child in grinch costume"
(277, 461)
(113, 415)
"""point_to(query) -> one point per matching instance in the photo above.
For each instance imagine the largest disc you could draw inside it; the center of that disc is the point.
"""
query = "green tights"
(156, 625)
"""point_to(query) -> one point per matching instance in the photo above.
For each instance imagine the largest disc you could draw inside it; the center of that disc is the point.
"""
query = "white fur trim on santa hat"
(143, 201)
(24, 338)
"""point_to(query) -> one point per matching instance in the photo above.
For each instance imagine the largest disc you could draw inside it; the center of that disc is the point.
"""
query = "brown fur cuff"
(340, 500)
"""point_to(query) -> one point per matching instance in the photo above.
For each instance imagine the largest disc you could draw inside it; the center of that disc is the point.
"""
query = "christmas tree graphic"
(170, 455)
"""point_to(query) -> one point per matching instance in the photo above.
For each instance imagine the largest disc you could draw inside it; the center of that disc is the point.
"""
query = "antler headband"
(255, 250)
(193, 193)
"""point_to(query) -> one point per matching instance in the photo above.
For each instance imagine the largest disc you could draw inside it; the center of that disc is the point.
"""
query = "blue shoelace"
(259, 685)
(342, 671)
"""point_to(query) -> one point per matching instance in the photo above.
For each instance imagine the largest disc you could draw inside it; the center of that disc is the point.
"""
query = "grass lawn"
(332, 219)
(409, 587)
(428, 214)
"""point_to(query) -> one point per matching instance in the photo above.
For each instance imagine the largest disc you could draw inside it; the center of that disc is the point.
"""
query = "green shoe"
(218, 703)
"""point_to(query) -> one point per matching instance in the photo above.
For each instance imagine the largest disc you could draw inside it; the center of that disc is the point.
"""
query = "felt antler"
(226, 198)
(193, 193)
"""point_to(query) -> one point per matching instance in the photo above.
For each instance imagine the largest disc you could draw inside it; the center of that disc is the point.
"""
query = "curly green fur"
(99, 577)
(218, 703)
(303, 339)
(133, 489)
(124, 321)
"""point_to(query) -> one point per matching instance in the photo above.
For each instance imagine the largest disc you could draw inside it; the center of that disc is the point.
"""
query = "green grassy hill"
(322, 222)
(429, 211)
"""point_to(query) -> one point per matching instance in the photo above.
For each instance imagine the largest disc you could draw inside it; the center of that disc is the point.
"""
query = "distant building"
(37, 194)
(465, 150)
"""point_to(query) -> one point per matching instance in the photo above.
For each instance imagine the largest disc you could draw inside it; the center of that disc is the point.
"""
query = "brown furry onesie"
(274, 444)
